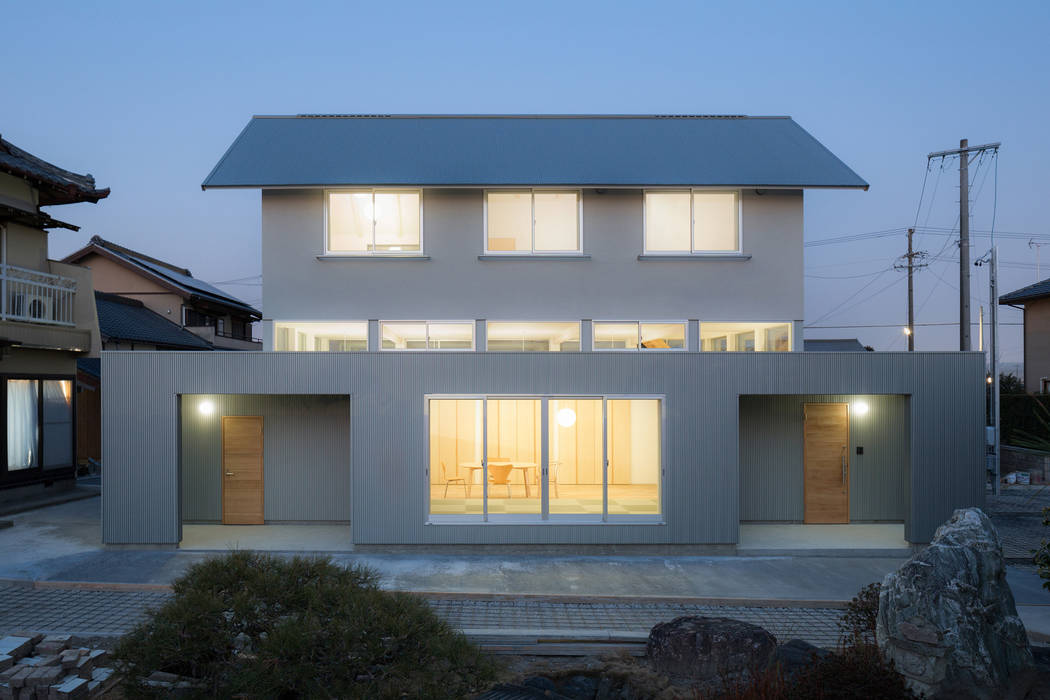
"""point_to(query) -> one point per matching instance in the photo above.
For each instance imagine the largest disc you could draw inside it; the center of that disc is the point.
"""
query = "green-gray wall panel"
(702, 498)
(306, 455)
(771, 457)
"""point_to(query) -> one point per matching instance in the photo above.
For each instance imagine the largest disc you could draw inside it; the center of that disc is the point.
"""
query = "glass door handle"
(229, 473)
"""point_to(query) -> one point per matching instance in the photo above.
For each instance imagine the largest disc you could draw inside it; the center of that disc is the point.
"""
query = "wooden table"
(525, 467)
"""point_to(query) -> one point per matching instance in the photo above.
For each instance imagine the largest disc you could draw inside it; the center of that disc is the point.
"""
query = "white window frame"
(638, 347)
(693, 251)
(579, 333)
(274, 326)
(428, 324)
(372, 253)
(532, 198)
(545, 517)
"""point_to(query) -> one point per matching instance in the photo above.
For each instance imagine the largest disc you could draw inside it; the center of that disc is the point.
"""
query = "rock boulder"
(947, 618)
(709, 648)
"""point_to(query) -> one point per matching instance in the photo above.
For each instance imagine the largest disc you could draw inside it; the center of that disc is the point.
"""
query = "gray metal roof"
(121, 318)
(832, 345)
(1039, 290)
(501, 150)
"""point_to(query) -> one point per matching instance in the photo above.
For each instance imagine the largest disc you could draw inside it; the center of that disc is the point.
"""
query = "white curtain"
(22, 424)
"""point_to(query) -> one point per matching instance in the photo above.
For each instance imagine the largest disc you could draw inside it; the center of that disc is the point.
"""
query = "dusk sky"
(148, 96)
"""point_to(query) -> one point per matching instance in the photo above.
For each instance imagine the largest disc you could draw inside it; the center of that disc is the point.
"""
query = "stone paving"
(92, 613)
(1017, 515)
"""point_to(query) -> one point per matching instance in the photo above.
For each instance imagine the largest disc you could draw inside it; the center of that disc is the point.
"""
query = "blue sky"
(147, 96)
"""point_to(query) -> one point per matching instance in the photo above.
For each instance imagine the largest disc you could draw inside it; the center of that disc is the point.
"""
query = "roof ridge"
(337, 115)
(116, 247)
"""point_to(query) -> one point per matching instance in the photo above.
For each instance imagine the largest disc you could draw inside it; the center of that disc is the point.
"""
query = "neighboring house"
(1034, 301)
(223, 321)
(47, 321)
(834, 345)
(128, 324)
(124, 324)
(536, 330)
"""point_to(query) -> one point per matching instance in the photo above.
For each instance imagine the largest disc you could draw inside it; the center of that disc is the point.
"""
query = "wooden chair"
(552, 476)
(500, 469)
(462, 481)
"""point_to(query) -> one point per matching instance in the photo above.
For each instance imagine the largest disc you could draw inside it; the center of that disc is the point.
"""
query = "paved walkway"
(1017, 514)
(108, 614)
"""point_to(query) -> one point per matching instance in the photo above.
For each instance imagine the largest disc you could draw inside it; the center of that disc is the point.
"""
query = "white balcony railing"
(36, 297)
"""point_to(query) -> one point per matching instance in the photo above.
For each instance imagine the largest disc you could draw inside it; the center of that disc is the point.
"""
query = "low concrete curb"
(78, 493)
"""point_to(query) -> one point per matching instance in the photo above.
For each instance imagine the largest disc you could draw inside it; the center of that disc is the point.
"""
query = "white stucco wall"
(455, 284)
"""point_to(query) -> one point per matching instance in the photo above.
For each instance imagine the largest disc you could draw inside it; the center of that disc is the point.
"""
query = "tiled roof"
(177, 276)
(120, 318)
(507, 150)
(1039, 290)
(56, 186)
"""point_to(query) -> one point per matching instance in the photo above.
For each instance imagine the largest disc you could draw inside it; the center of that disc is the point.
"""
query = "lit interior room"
(575, 481)
(745, 337)
(533, 337)
(321, 337)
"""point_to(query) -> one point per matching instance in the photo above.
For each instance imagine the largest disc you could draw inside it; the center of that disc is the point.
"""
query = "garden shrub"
(862, 613)
(254, 625)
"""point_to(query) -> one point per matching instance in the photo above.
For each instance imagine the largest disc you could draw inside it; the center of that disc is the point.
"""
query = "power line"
(899, 325)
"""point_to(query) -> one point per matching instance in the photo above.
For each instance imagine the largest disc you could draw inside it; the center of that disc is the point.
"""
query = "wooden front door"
(826, 460)
(242, 470)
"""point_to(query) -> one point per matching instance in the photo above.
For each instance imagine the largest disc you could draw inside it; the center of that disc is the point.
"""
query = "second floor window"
(692, 222)
(373, 222)
(532, 221)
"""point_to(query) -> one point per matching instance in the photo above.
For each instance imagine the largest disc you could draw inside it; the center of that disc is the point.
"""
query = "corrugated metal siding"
(702, 501)
(306, 455)
(771, 457)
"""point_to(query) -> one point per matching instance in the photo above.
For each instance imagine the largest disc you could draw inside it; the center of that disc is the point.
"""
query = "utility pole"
(993, 358)
(963, 152)
(1037, 246)
(910, 265)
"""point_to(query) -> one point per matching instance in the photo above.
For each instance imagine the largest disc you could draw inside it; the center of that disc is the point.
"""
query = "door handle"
(229, 473)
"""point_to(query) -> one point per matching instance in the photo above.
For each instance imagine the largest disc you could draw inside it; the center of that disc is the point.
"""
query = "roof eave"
(590, 185)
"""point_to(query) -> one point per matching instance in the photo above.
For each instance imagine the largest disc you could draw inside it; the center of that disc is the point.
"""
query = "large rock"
(709, 648)
(947, 617)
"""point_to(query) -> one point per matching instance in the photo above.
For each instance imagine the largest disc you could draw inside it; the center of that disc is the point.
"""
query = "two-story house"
(222, 320)
(47, 321)
(1034, 301)
(536, 330)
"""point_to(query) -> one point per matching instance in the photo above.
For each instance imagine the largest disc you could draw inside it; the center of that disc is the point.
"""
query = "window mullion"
(692, 222)
(374, 222)
(605, 459)
(532, 201)
(484, 459)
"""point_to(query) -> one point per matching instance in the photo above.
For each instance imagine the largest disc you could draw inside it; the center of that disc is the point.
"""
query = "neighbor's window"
(745, 337)
(58, 423)
(427, 335)
(634, 336)
(698, 221)
(23, 424)
(534, 221)
(321, 337)
(511, 336)
(370, 222)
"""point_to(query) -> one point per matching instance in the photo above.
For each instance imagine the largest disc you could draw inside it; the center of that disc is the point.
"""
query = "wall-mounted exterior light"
(860, 408)
(206, 407)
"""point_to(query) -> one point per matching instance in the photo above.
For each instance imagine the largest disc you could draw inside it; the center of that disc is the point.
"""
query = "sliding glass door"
(544, 458)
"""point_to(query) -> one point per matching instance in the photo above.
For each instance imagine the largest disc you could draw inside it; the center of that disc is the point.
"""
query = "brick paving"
(1017, 515)
(89, 613)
